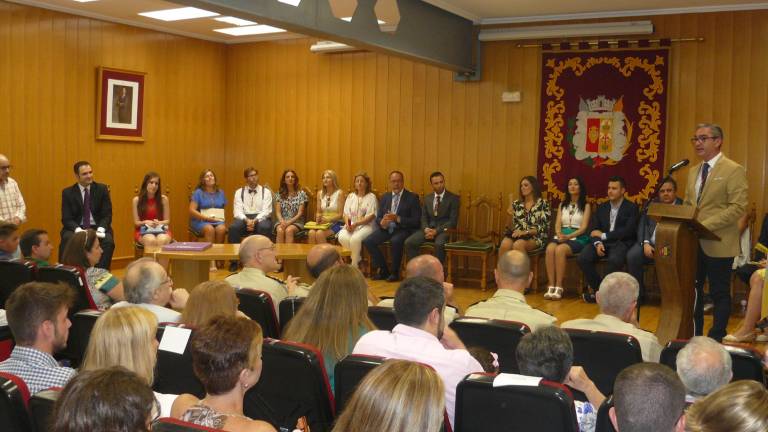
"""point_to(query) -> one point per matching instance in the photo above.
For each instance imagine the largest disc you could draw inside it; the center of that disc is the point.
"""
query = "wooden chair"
(477, 237)
(309, 213)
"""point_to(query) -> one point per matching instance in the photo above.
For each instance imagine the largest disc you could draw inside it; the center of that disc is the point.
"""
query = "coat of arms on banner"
(602, 132)
(603, 115)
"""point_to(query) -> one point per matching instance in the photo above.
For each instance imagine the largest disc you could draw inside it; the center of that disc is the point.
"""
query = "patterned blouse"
(203, 415)
(537, 218)
(290, 206)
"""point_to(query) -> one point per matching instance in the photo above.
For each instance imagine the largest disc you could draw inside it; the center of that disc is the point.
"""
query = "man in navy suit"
(86, 204)
(614, 230)
(399, 215)
(642, 251)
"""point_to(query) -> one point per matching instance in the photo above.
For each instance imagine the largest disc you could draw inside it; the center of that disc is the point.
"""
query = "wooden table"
(191, 268)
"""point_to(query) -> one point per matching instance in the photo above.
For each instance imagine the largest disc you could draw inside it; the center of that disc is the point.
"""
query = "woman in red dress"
(152, 213)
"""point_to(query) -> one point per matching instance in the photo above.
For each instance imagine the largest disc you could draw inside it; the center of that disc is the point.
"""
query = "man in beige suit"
(718, 188)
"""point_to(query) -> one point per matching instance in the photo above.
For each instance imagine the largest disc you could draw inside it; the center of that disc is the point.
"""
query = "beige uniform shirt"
(510, 305)
(649, 344)
(254, 278)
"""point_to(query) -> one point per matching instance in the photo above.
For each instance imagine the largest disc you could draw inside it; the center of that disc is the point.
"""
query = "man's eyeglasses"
(6, 168)
(702, 138)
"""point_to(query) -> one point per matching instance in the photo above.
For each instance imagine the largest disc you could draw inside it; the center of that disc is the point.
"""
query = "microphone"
(678, 165)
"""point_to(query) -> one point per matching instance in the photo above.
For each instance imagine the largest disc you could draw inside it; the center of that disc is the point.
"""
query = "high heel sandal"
(550, 292)
(558, 294)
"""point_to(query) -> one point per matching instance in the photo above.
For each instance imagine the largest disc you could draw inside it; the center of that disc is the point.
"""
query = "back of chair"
(603, 355)
(79, 336)
(173, 372)
(72, 276)
(41, 408)
(498, 336)
(167, 424)
(12, 274)
(547, 407)
(348, 374)
(293, 384)
(14, 398)
(603, 419)
(288, 308)
(6, 342)
(746, 361)
(383, 317)
(257, 305)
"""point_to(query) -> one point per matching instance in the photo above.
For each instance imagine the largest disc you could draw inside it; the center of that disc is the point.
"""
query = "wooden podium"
(677, 244)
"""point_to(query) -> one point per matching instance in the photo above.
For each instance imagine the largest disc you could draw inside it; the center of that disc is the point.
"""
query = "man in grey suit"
(642, 251)
(439, 213)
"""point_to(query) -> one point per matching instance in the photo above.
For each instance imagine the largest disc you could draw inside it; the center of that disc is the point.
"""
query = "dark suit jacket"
(72, 207)
(647, 225)
(408, 209)
(447, 212)
(625, 229)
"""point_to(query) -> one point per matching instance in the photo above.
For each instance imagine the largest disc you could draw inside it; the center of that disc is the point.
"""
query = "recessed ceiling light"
(235, 21)
(349, 19)
(290, 2)
(179, 14)
(250, 30)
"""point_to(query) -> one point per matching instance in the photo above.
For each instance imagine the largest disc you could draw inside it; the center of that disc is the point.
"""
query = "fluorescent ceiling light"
(568, 30)
(331, 47)
(349, 19)
(179, 14)
(290, 2)
(85, 1)
(250, 30)
(235, 21)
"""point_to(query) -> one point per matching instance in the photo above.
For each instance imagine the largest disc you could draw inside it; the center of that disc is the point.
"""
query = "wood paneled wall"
(48, 64)
(375, 112)
(275, 105)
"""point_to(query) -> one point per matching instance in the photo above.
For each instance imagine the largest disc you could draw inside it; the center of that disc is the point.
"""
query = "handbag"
(146, 229)
(312, 225)
(582, 239)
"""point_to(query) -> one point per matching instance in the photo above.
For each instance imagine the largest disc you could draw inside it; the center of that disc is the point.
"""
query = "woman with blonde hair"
(334, 315)
(359, 216)
(330, 202)
(226, 358)
(209, 299)
(126, 337)
(398, 396)
(739, 406)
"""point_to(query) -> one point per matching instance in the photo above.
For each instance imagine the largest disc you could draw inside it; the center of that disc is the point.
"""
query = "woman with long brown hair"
(334, 315)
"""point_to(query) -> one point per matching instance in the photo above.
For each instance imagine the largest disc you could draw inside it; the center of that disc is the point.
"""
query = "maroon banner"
(603, 113)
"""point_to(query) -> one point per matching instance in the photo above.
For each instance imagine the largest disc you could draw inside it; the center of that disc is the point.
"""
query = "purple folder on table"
(186, 246)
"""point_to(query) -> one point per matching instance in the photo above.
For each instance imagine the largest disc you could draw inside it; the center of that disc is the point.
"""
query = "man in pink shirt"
(422, 336)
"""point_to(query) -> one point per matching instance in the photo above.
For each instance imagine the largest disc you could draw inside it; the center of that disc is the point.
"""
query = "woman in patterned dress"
(290, 203)
(530, 219)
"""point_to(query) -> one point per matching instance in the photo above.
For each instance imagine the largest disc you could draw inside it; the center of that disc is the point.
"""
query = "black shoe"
(393, 278)
(589, 297)
(233, 266)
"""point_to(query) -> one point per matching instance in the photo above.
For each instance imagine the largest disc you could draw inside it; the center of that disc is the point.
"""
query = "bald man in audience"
(513, 275)
(431, 267)
(148, 286)
(703, 366)
(258, 257)
(648, 397)
(12, 207)
(617, 298)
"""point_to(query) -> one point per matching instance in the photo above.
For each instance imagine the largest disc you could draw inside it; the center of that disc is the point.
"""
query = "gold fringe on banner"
(608, 44)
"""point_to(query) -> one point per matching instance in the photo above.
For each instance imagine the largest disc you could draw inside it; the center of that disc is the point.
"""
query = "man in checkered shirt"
(12, 207)
(37, 315)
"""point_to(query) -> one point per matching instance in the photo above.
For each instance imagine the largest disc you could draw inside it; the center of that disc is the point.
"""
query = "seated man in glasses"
(148, 286)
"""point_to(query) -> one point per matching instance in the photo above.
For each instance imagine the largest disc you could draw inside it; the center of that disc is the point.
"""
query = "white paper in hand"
(507, 379)
(175, 339)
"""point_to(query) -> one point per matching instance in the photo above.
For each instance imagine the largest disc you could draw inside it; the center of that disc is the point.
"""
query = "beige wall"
(275, 105)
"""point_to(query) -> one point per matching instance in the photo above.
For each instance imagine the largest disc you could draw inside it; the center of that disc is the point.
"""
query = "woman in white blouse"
(359, 216)
(330, 202)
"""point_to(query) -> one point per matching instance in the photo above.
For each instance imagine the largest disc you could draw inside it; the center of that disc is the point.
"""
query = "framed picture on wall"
(120, 114)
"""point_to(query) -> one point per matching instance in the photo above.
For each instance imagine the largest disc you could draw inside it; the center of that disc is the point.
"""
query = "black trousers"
(237, 229)
(616, 255)
(397, 242)
(718, 272)
(107, 245)
(636, 259)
